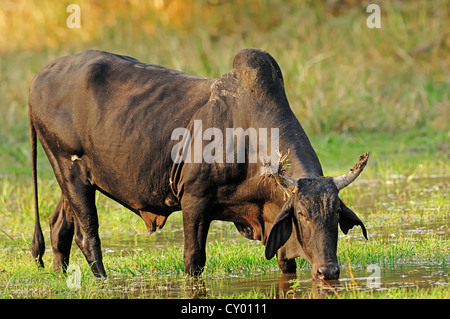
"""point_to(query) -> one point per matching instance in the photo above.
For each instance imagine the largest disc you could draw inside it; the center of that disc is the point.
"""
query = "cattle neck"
(293, 141)
(303, 165)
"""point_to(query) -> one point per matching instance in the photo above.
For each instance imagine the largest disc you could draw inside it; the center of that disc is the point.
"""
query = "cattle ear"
(348, 219)
(281, 230)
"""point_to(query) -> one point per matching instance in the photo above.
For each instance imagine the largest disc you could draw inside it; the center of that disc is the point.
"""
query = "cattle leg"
(81, 197)
(196, 224)
(287, 266)
(61, 234)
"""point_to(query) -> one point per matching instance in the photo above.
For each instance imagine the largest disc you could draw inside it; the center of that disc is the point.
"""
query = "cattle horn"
(346, 179)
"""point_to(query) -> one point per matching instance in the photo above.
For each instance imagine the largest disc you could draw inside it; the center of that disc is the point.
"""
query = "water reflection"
(276, 285)
(412, 208)
(412, 276)
(401, 207)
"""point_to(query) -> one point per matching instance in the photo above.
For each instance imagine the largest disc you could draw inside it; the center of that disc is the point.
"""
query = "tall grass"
(353, 89)
(155, 273)
(340, 76)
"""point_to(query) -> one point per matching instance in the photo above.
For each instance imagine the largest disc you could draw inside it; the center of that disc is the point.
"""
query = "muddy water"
(402, 206)
(276, 285)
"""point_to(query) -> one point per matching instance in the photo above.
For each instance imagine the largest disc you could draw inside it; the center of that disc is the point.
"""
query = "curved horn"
(346, 179)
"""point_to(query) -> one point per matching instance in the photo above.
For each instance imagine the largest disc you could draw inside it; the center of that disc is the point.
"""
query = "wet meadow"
(354, 89)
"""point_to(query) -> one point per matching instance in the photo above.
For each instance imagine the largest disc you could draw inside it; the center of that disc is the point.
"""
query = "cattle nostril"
(328, 273)
(320, 273)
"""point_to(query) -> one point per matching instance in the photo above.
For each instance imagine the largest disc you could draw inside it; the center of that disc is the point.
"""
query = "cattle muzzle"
(330, 272)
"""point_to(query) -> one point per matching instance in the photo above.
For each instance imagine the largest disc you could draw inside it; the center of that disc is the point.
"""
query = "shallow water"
(276, 285)
(405, 206)
(401, 207)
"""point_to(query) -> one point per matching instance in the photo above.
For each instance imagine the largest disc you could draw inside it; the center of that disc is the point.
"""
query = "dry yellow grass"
(340, 75)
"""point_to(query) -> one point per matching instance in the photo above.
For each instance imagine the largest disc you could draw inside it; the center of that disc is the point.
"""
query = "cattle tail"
(38, 243)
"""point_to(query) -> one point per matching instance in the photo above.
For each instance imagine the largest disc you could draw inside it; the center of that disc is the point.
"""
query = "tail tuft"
(38, 246)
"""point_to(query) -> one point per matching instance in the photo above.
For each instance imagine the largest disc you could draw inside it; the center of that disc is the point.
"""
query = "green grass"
(364, 80)
(353, 89)
(439, 292)
(402, 293)
(153, 273)
(390, 253)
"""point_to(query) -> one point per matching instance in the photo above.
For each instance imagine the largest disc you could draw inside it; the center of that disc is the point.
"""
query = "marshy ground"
(407, 254)
(354, 89)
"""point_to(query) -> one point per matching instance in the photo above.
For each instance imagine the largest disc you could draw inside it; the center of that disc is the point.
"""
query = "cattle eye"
(301, 214)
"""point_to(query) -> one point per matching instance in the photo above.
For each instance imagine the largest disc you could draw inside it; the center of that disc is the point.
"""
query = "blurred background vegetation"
(344, 80)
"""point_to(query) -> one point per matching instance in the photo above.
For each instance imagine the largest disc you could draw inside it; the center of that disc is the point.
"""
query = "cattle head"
(311, 216)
